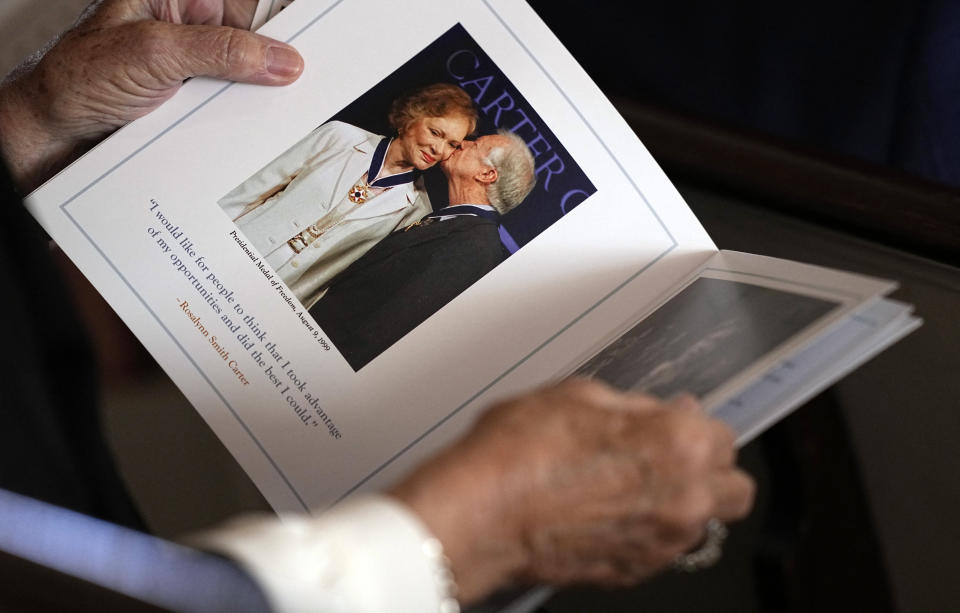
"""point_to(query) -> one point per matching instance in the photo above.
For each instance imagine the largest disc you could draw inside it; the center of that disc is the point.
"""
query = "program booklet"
(332, 337)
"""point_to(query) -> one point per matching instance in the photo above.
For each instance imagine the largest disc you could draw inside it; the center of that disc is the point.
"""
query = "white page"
(622, 247)
(817, 366)
(850, 293)
(750, 333)
(727, 324)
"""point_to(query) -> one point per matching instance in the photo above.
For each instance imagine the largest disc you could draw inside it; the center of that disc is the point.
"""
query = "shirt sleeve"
(368, 555)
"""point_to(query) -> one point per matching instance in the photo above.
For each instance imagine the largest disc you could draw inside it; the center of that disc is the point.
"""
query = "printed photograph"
(703, 336)
(405, 198)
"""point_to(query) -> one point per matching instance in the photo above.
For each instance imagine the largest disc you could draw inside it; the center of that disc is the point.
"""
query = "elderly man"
(572, 483)
(414, 272)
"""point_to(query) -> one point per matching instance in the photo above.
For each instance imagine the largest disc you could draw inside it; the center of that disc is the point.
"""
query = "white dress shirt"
(370, 555)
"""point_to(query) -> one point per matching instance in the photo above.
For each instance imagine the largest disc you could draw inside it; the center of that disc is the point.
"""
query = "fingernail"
(283, 62)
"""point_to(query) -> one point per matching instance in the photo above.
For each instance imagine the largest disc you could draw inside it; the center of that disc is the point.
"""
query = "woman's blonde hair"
(437, 100)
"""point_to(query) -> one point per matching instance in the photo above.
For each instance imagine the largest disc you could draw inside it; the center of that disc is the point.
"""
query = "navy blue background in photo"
(456, 58)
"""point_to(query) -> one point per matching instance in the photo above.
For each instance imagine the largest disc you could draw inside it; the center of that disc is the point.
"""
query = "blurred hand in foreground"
(120, 61)
(578, 483)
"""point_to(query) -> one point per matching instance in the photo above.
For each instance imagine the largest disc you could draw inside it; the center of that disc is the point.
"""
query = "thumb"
(229, 53)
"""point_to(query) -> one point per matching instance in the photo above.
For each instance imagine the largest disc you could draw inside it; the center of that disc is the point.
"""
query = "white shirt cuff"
(367, 555)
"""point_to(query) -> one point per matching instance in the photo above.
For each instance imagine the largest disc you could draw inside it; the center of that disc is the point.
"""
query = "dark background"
(874, 81)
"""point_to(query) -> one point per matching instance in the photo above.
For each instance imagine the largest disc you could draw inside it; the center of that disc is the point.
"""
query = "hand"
(120, 61)
(577, 483)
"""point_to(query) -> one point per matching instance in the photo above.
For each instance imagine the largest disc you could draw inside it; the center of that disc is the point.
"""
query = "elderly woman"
(329, 199)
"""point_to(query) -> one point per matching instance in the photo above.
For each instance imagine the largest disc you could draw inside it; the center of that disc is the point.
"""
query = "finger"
(606, 555)
(602, 395)
(734, 493)
(205, 12)
(239, 13)
(684, 401)
(724, 444)
(673, 540)
(618, 572)
(640, 403)
(228, 53)
(721, 438)
(657, 544)
(117, 12)
(109, 13)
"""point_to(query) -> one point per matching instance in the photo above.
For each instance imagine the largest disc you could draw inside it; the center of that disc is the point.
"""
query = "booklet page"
(196, 224)
(751, 336)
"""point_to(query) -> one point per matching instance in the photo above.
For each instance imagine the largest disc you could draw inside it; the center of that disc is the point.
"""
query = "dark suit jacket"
(404, 280)
(51, 445)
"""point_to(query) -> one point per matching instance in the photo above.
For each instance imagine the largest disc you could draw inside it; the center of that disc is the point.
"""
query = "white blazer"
(308, 185)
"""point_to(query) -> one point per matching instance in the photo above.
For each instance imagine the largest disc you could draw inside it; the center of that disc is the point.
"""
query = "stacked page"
(602, 270)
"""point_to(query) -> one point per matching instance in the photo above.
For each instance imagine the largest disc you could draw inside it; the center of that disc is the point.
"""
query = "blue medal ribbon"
(376, 165)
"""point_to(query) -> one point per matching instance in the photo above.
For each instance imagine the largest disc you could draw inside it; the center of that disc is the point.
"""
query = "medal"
(360, 192)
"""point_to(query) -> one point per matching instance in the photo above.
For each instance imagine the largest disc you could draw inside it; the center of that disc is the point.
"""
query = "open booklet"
(225, 227)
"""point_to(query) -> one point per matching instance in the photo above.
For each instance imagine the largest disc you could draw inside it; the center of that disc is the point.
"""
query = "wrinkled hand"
(120, 61)
(578, 483)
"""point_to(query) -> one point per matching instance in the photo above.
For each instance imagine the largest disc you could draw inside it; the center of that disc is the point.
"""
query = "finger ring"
(707, 554)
